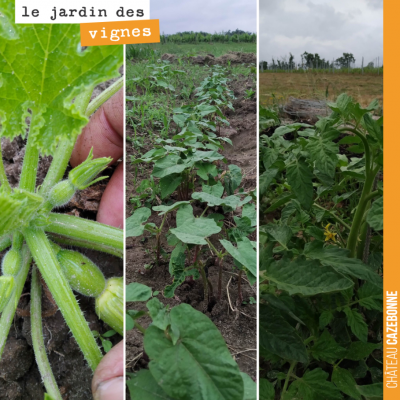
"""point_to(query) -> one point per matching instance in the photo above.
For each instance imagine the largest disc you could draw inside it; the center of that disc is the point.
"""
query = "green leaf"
(232, 179)
(277, 302)
(266, 179)
(215, 190)
(169, 183)
(193, 377)
(371, 392)
(305, 277)
(158, 313)
(204, 169)
(280, 233)
(269, 156)
(143, 386)
(134, 224)
(339, 259)
(360, 350)
(326, 349)
(250, 388)
(170, 164)
(300, 178)
(313, 386)
(324, 319)
(137, 292)
(229, 201)
(41, 69)
(356, 323)
(249, 211)
(165, 209)
(17, 210)
(47, 397)
(279, 337)
(323, 153)
(267, 391)
(375, 215)
(343, 379)
(195, 230)
(370, 297)
(244, 253)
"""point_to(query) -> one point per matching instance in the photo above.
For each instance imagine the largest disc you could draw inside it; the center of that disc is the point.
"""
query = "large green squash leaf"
(42, 70)
(306, 277)
(184, 370)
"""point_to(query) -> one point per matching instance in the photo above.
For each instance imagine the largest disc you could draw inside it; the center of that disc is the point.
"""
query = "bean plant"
(321, 196)
(189, 160)
(46, 82)
(183, 333)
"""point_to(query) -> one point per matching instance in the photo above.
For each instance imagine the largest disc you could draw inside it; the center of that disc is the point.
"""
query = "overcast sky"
(204, 15)
(326, 27)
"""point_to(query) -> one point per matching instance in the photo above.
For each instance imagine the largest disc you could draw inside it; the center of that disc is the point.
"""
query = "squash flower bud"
(82, 176)
(110, 306)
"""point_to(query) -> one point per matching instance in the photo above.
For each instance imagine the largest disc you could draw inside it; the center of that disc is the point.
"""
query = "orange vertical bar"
(391, 213)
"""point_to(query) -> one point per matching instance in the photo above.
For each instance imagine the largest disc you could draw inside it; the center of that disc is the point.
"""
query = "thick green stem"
(64, 150)
(8, 313)
(37, 338)
(159, 238)
(5, 185)
(358, 216)
(5, 242)
(139, 327)
(104, 96)
(29, 167)
(368, 165)
(372, 195)
(58, 166)
(86, 231)
(86, 245)
(285, 385)
(56, 281)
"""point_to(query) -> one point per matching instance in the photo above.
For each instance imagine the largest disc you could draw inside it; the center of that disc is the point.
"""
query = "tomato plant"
(321, 255)
(46, 83)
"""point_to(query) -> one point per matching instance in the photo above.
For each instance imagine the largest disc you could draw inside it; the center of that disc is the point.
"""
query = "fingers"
(111, 209)
(104, 132)
(108, 382)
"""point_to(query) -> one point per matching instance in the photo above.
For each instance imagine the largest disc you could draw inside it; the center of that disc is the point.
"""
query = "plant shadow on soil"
(19, 375)
(238, 327)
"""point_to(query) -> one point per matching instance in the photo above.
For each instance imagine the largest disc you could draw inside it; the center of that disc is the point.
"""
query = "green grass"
(216, 49)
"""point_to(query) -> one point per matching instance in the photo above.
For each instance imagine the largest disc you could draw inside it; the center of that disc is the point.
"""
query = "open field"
(276, 88)
(216, 49)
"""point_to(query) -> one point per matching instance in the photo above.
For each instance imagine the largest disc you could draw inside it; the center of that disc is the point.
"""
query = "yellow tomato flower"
(329, 235)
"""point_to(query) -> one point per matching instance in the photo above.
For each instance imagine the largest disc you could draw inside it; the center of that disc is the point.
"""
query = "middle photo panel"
(191, 175)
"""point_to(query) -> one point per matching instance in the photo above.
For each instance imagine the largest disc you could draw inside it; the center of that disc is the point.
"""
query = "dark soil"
(237, 323)
(19, 376)
(233, 57)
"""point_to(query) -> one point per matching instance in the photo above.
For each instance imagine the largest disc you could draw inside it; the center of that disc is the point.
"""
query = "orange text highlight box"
(120, 32)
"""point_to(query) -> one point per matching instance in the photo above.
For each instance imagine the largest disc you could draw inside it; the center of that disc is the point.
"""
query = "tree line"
(237, 36)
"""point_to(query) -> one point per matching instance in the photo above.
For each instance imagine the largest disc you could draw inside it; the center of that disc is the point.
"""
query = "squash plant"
(185, 162)
(46, 82)
(321, 256)
(206, 369)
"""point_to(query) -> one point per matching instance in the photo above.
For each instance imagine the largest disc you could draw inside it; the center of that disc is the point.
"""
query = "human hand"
(104, 133)
(108, 381)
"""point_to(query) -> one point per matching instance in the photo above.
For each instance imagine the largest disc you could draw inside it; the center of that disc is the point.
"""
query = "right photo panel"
(321, 200)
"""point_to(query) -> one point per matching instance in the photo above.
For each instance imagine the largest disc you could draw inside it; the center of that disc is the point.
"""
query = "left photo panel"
(61, 213)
